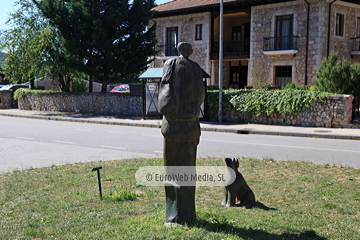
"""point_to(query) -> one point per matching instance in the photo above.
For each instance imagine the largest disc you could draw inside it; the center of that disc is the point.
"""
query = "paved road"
(34, 143)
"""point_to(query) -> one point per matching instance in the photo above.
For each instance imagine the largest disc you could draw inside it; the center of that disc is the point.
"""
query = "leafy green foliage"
(107, 40)
(35, 48)
(293, 86)
(337, 76)
(213, 87)
(121, 195)
(78, 85)
(265, 102)
(2, 59)
(21, 92)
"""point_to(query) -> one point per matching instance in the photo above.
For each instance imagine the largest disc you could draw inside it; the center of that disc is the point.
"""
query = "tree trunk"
(91, 83)
(104, 84)
(64, 82)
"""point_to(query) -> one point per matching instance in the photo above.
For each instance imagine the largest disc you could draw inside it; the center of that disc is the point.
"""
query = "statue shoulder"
(169, 62)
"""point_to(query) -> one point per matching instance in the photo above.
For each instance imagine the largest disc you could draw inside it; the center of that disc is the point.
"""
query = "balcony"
(231, 49)
(280, 45)
(355, 51)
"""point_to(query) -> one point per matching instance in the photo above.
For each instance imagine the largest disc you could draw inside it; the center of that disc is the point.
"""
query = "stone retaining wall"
(6, 99)
(94, 103)
(336, 111)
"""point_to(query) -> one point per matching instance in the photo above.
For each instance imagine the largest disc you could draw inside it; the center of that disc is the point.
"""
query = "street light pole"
(221, 59)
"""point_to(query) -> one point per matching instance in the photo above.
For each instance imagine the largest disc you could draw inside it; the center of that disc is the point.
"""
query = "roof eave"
(215, 6)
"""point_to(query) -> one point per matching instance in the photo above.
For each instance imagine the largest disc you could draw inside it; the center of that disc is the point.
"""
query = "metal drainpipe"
(307, 43)
(329, 25)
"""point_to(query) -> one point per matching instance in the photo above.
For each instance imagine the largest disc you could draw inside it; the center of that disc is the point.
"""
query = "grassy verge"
(299, 200)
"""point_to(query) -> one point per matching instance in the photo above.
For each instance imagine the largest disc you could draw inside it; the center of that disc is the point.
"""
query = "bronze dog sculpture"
(238, 189)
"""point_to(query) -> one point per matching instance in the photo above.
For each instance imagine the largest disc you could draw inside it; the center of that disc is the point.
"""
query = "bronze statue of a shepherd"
(181, 94)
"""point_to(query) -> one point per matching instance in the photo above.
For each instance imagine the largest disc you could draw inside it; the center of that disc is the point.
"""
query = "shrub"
(265, 102)
(338, 76)
(293, 86)
(213, 87)
(78, 85)
(21, 92)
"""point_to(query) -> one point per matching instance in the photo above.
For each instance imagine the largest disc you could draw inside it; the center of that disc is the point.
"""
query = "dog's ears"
(236, 162)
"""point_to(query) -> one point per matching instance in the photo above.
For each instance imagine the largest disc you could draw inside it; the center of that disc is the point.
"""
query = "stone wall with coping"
(336, 112)
(94, 103)
(6, 99)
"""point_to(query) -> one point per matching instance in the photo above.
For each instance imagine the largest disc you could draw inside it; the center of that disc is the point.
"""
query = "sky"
(7, 6)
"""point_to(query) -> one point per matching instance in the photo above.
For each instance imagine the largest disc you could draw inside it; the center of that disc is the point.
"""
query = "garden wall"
(94, 103)
(336, 111)
(6, 99)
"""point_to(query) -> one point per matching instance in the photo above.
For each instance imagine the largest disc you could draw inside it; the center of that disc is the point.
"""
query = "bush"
(21, 92)
(78, 85)
(293, 86)
(338, 76)
(265, 102)
(212, 87)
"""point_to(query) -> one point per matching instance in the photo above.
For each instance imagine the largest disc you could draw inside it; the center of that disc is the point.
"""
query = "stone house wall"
(186, 33)
(94, 103)
(343, 44)
(263, 25)
(336, 111)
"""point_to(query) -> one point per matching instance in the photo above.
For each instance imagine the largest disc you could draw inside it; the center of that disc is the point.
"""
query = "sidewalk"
(331, 133)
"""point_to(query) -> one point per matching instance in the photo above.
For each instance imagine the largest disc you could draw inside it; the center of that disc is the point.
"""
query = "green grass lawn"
(299, 200)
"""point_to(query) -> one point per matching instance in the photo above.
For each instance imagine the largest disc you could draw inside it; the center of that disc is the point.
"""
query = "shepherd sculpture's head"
(185, 49)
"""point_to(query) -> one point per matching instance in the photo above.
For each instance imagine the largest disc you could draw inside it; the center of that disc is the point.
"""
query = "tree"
(338, 76)
(105, 38)
(34, 48)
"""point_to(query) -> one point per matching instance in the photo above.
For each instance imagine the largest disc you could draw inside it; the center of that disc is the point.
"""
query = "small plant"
(121, 195)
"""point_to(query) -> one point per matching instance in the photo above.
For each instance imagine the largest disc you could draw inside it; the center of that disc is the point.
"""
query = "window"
(171, 41)
(284, 32)
(198, 32)
(234, 74)
(358, 27)
(236, 33)
(283, 75)
(339, 25)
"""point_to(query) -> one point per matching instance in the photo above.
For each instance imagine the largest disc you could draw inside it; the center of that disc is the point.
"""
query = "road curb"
(203, 128)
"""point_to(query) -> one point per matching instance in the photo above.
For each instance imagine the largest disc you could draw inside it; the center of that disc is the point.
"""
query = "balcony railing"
(241, 47)
(356, 44)
(167, 50)
(280, 43)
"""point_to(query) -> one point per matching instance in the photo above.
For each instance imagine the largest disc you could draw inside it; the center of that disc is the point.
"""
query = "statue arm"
(166, 102)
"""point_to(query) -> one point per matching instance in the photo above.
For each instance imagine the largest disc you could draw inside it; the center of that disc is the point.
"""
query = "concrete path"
(333, 133)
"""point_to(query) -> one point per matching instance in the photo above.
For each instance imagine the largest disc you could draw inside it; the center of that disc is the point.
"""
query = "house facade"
(277, 41)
